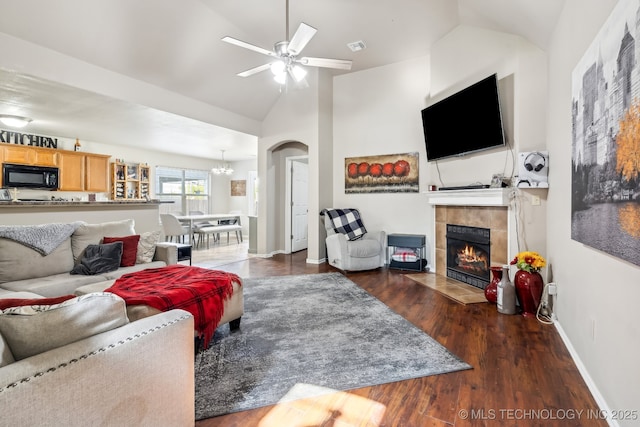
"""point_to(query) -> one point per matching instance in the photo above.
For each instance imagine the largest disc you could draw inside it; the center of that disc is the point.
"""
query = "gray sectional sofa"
(135, 368)
(25, 270)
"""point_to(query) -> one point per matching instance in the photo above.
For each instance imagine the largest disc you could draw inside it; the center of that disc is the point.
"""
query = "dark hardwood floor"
(522, 373)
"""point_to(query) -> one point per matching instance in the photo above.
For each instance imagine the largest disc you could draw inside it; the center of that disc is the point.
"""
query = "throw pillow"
(92, 234)
(129, 248)
(147, 246)
(30, 330)
(99, 259)
(347, 222)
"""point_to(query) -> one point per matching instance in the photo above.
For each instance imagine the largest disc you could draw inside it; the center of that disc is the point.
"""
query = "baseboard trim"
(593, 388)
(316, 261)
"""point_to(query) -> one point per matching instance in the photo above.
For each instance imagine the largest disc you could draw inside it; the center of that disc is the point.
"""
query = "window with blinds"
(188, 189)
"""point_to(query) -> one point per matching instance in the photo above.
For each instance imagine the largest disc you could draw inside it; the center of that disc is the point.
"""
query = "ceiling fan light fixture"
(286, 53)
(14, 121)
(281, 78)
(299, 73)
(278, 67)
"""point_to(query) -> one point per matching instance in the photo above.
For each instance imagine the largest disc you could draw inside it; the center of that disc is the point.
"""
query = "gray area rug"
(320, 330)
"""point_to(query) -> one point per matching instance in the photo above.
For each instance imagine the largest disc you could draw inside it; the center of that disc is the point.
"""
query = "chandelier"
(222, 169)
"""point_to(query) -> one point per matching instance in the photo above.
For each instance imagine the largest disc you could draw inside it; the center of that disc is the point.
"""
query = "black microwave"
(25, 176)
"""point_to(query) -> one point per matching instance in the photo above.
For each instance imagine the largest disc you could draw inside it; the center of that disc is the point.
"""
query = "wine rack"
(130, 181)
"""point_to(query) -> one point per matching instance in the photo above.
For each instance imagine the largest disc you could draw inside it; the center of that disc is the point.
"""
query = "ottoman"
(233, 307)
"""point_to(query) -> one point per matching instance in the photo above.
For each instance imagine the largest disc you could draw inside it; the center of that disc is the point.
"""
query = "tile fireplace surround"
(475, 208)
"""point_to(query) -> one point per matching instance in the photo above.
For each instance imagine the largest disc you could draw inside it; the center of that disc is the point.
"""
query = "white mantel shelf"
(478, 197)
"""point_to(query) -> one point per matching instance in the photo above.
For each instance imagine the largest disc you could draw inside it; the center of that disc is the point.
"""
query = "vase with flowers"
(528, 281)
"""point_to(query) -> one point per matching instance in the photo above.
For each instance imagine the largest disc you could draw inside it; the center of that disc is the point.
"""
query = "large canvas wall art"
(392, 173)
(605, 199)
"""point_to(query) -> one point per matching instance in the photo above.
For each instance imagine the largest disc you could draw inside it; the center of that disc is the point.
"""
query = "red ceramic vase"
(491, 291)
(529, 288)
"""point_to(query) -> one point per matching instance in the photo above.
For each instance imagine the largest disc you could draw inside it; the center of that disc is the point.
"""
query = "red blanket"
(199, 291)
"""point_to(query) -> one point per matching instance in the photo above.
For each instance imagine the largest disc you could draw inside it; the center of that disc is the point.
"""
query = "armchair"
(350, 247)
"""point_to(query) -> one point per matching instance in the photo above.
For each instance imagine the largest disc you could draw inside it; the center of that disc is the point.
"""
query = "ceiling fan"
(286, 53)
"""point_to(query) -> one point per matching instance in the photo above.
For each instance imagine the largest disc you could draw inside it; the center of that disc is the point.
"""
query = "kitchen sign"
(11, 137)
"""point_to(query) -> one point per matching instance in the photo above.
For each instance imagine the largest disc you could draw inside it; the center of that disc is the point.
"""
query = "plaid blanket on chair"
(197, 290)
(347, 222)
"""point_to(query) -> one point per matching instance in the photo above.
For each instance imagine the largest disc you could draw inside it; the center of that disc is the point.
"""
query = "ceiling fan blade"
(249, 46)
(303, 35)
(254, 70)
(340, 64)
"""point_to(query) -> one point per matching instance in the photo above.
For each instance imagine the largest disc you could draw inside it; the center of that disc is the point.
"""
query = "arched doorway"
(280, 160)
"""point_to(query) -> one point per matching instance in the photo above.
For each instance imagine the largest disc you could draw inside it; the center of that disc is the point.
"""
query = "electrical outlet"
(535, 200)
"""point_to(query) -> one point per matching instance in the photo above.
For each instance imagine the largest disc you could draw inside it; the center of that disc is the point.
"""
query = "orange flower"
(529, 261)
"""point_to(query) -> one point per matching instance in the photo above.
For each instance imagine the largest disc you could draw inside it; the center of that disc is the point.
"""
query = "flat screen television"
(465, 122)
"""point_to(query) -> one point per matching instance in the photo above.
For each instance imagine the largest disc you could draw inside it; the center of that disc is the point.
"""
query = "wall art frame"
(238, 187)
(389, 173)
(605, 187)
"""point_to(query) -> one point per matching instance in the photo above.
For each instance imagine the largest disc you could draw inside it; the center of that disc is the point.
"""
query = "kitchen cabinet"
(72, 171)
(78, 171)
(27, 155)
(96, 173)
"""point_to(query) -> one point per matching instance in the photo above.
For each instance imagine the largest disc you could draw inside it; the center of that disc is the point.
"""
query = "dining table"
(190, 220)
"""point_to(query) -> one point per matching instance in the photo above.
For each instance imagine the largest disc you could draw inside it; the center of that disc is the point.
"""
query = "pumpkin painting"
(352, 170)
(387, 169)
(397, 173)
(375, 170)
(363, 168)
(401, 168)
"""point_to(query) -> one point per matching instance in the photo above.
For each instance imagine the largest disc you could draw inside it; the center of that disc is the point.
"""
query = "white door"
(299, 205)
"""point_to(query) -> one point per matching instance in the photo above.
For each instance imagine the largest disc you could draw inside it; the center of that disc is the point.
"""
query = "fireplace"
(469, 254)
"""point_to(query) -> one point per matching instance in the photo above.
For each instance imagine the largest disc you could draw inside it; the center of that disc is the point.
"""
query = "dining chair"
(173, 228)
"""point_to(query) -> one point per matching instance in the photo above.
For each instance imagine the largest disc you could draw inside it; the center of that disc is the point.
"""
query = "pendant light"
(222, 169)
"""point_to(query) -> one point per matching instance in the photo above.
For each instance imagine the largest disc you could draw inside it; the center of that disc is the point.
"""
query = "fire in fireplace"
(469, 254)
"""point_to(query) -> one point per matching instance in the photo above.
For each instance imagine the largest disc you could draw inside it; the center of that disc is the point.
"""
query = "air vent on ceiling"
(356, 46)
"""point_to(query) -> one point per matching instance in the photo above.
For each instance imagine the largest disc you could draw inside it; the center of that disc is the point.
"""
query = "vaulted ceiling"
(174, 46)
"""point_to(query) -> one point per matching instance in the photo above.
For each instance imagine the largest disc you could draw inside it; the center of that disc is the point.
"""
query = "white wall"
(466, 55)
(376, 112)
(593, 287)
(387, 120)
(301, 116)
